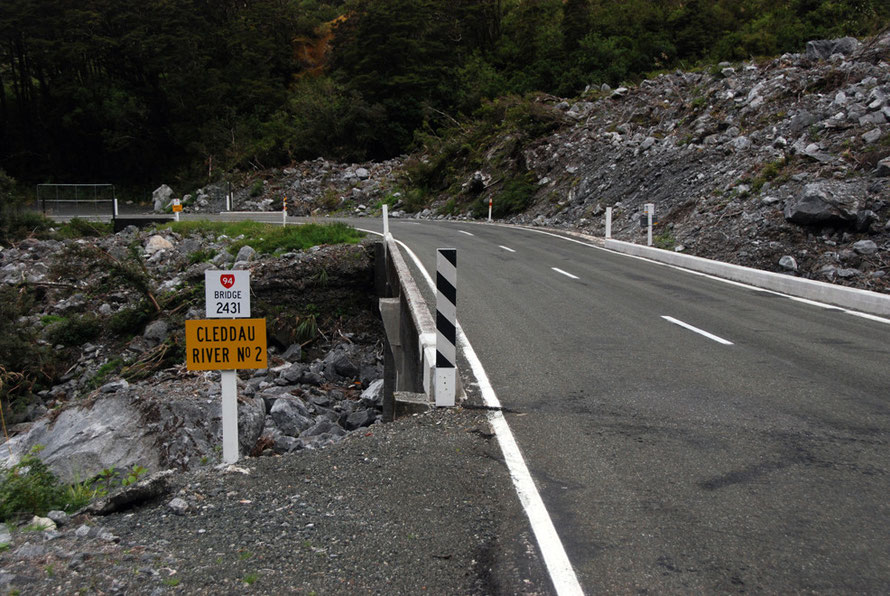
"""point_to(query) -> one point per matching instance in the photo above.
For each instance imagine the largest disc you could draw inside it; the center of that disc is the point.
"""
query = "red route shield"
(227, 280)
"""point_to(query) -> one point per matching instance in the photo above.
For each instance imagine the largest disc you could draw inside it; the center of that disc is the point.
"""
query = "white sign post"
(608, 222)
(284, 212)
(227, 295)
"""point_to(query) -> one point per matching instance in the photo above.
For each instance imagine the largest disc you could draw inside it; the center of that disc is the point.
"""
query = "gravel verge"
(422, 505)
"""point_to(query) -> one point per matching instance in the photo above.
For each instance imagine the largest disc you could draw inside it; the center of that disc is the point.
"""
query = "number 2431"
(228, 308)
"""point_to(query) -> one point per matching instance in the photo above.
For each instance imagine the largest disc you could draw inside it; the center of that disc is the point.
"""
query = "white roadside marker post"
(229, 385)
(177, 208)
(489, 209)
(650, 211)
(608, 222)
(446, 327)
(284, 212)
(385, 221)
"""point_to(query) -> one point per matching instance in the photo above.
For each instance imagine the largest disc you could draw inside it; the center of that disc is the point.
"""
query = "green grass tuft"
(271, 238)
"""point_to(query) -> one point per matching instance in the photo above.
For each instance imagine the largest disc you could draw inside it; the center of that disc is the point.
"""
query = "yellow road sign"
(225, 344)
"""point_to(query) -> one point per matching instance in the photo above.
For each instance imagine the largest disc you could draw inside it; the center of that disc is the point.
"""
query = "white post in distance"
(284, 212)
(445, 386)
(489, 209)
(385, 221)
(650, 211)
(608, 222)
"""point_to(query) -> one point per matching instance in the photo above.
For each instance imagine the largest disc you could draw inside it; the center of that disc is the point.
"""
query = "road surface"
(685, 434)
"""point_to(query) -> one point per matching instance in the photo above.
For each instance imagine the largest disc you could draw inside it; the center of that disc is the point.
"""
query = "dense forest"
(127, 92)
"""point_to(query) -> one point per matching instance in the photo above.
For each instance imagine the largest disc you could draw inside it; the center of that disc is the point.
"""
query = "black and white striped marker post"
(446, 326)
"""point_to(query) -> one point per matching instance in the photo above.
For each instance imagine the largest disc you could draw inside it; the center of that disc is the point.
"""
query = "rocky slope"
(105, 316)
(748, 164)
(780, 165)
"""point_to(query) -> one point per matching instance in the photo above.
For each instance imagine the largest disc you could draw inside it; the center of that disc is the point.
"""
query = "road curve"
(685, 434)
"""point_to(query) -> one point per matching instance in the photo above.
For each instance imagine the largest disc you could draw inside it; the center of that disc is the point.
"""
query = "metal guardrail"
(410, 343)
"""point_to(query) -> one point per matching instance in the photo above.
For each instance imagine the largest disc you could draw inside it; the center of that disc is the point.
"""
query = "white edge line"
(566, 273)
(507, 248)
(739, 284)
(558, 565)
(467, 233)
(716, 338)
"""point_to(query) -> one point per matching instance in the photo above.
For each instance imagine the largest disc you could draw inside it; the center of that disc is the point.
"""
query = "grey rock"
(362, 174)
(161, 197)
(30, 551)
(115, 386)
(848, 273)
(373, 395)
(146, 489)
(872, 136)
(873, 118)
(788, 263)
(179, 506)
(156, 244)
(60, 518)
(290, 415)
(222, 258)
(728, 72)
(293, 373)
(82, 531)
(247, 253)
(323, 426)
(823, 49)
(360, 419)
(883, 169)
(5, 535)
(865, 247)
(864, 219)
(816, 206)
(293, 353)
(87, 438)
(156, 331)
(801, 121)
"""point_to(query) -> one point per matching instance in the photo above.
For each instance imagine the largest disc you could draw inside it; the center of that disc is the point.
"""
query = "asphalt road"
(671, 462)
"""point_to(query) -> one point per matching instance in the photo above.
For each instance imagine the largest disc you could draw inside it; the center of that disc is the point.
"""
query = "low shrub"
(74, 330)
(29, 488)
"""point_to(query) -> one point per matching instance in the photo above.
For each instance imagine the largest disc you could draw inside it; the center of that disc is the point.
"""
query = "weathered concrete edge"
(851, 298)
(420, 315)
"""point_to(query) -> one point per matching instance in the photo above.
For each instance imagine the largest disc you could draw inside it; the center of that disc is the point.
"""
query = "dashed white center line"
(467, 233)
(507, 248)
(720, 340)
(566, 273)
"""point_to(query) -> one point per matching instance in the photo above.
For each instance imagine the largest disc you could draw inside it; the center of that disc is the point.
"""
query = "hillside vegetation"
(130, 93)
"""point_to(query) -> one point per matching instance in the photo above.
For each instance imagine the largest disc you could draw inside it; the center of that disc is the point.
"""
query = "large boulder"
(136, 426)
(817, 206)
(84, 440)
(161, 197)
(823, 49)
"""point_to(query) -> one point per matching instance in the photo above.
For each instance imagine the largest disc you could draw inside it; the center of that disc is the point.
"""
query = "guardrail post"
(445, 386)
(608, 222)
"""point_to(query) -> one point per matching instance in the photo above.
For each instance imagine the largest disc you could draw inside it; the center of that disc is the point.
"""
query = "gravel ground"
(422, 505)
